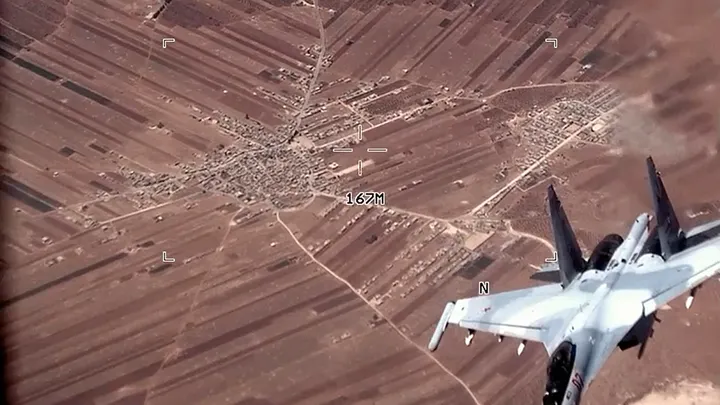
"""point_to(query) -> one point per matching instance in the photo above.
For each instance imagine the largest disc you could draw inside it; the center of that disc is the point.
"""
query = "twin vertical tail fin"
(569, 255)
(570, 259)
(670, 235)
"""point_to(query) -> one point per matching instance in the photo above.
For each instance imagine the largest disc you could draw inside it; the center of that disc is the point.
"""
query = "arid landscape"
(175, 220)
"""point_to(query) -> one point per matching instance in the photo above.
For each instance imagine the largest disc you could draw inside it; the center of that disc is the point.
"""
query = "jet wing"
(538, 314)
(663, 282)
(656, 284)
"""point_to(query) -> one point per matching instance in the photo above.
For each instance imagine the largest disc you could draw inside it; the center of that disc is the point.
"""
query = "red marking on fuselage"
(578, 382)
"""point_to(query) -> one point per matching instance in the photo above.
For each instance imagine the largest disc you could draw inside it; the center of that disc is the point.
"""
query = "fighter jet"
(608, 300)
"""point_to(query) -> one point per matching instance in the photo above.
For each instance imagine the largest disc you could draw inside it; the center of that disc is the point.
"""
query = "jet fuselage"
(611, 308)
(599, 314)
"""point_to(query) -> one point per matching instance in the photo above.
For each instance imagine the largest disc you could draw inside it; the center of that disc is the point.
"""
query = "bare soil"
(92, 102)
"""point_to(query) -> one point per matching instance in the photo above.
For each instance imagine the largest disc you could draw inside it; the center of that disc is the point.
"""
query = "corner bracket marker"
(166, 259)
(553, 259)
(166, 41)
(553, 41)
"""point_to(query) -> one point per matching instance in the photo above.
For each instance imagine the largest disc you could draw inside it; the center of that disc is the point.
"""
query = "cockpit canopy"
(559, 368)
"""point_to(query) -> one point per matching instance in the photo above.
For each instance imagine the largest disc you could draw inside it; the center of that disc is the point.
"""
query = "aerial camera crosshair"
(359, 137)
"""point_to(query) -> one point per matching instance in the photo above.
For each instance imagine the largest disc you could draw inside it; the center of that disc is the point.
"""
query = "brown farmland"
(216, 150)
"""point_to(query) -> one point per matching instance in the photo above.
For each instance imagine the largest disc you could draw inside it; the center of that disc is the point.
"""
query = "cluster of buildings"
(282, 175)
(544, 129)
(246, 170)
(330, 127)
(428, 271)
(602, 131)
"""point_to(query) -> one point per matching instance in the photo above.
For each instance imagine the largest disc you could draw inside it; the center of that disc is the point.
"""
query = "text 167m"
(365, 198)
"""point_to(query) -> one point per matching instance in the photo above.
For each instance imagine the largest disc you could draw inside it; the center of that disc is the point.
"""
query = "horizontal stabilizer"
(549, 267)
(440, 328)
(547, 276)
(548, 273)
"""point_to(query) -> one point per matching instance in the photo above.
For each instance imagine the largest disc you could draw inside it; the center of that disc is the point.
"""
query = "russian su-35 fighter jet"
(606, 301)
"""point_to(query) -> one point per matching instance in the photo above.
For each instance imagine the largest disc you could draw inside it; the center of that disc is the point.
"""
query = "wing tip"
(440, 327)
(652, 170)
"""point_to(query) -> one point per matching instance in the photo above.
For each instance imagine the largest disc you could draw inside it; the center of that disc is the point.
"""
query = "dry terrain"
(122, 150)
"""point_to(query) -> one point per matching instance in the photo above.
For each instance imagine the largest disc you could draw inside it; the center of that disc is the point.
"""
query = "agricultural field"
(175, 178)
